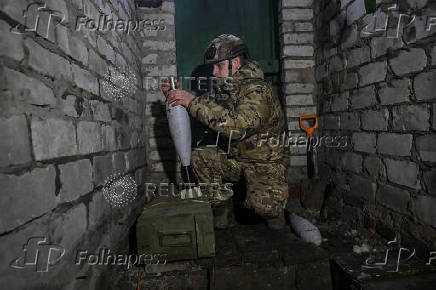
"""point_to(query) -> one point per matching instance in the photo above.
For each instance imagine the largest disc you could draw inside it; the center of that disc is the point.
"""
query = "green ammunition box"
(181, 229)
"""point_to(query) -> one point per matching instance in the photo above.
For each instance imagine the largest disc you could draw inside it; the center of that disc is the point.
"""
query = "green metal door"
(254, 21)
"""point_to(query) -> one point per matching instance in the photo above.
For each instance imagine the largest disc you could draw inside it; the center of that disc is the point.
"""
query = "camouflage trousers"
(267, 188)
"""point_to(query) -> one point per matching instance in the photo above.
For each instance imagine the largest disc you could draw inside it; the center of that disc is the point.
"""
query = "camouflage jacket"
(248, 111)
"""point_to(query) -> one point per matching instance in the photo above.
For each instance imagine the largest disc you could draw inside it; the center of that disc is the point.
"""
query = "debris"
(364, 248)
(357, 249)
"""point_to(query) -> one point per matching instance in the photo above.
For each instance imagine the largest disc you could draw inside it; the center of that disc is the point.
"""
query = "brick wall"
(297, 74)
(61, 135)
(379, 89)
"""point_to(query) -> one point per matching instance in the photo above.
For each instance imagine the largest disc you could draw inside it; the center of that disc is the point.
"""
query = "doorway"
(254, 21)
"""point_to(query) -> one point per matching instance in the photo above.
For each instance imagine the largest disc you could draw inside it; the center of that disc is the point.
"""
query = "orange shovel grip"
(309, 130)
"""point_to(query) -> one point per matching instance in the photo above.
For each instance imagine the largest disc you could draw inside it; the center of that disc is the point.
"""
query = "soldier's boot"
(276, 223)
(221, 215)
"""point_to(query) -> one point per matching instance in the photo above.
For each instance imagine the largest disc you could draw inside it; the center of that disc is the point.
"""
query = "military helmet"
(225, 46)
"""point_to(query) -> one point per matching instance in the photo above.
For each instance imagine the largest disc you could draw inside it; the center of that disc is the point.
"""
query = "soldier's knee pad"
(204, 157)
(269, 211)
(267, 202)
(264, 207)
(199, 158)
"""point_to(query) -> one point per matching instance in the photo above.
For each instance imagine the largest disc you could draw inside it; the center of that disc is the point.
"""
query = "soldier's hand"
(179, 97)
(166, 86)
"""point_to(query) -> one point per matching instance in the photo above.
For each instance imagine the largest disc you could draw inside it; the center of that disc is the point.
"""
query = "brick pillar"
(159, 62)
(297, 62)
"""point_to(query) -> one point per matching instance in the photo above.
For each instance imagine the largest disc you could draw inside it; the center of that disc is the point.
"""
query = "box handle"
(173, 239)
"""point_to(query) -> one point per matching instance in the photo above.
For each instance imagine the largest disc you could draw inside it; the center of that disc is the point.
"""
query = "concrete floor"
(251, 256)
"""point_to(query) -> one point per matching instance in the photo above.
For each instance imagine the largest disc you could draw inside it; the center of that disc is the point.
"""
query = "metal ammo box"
(181, 229)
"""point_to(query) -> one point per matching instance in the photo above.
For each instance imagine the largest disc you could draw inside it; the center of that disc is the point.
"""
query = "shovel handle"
(309, 130)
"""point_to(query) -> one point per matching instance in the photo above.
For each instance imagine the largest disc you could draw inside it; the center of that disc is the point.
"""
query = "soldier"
(243, 109)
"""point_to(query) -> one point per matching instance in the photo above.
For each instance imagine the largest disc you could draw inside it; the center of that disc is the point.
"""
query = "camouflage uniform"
(242, 112)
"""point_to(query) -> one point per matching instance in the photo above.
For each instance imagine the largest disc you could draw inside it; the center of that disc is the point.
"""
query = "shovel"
(309, 133)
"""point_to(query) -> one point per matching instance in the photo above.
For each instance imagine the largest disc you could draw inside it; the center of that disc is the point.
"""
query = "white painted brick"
(303, 26)
(299, 88)
(297, 14)
(291, 63)
(297, 50)
(297, 38)
(297, 3)
(159, 45)
(299, 100)
(295, 112)
(163, 70)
